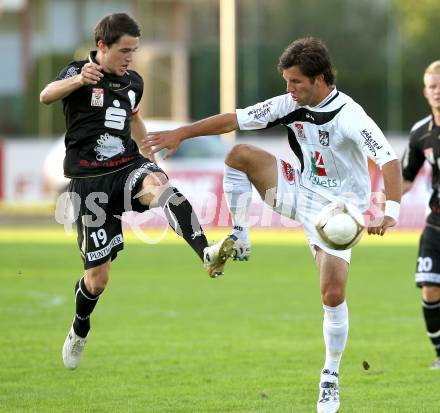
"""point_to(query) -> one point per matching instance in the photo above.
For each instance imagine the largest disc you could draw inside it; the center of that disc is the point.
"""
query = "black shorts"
(428, 261)
(98, 205)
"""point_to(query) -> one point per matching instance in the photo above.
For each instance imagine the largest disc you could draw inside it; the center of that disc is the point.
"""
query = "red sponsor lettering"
(288, 172)
(106, 164)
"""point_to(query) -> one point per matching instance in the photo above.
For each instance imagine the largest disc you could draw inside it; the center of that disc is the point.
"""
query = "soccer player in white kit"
(332, 137)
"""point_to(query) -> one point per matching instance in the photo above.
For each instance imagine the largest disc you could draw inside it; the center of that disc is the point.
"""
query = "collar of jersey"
(92, 57)
(329, 97)
(432, 124)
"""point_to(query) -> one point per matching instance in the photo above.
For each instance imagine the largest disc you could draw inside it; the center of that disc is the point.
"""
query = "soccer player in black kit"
(424, 144)
(101, 99)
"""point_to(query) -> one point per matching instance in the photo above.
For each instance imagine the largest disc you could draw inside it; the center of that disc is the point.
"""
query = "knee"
(431, 293)
(333, 296)
(238, 156)
(96, 280)
(152, 187)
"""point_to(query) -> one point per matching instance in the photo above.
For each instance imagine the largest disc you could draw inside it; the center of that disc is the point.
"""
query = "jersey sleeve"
(359, 127)
(262, 114)
(412, 160)
(139, 91)
(72, 69)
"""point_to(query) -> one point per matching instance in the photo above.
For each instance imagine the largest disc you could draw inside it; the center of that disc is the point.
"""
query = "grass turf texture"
(166, 338)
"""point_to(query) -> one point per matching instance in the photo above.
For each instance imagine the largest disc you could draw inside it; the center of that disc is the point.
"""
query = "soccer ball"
(340, 225)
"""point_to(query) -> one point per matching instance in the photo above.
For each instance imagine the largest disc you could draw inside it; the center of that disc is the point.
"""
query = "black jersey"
(424, 143)
(98, 137)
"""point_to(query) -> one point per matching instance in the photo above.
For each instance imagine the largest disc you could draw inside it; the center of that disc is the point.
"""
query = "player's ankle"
(240, 232)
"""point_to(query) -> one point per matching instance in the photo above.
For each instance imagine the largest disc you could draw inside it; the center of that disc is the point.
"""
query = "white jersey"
(332, 141)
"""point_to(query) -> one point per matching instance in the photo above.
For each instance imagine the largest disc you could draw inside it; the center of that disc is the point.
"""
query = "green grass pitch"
(167, 338)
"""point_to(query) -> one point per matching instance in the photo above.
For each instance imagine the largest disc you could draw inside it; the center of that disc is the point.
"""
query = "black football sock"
(85, 303)
(183, 220)
(431, 313)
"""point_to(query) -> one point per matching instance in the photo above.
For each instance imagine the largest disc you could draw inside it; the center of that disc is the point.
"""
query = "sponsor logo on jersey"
(288, 172)
(115, 116)
(260, 111)
(71, 71)
(429, 155)
(97, 97)
(114, 85)
(104, 252)
(369, 142)
(299, 130)
(196, 234)
(317, 162)
(310, 117)
(324, 137)
(108, 164)
(108, 146)
(318, 173)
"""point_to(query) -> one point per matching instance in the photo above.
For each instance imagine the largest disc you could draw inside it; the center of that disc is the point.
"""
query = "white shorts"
(301, 204)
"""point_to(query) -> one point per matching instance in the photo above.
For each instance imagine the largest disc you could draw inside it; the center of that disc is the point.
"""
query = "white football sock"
(335, 329)
(238, 194)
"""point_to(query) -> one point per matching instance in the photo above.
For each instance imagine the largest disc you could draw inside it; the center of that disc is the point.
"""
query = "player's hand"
(91, 74)
(156, 141)
(379, 229)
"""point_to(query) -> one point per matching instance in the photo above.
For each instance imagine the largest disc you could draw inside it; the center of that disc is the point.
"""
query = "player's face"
(117, 57)
(303, 89)
(432, 90)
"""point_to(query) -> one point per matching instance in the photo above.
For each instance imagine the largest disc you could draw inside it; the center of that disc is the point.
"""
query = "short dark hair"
(311, 56)
(113, 26)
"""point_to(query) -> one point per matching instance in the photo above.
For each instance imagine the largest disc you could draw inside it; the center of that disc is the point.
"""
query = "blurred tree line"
(380, 49)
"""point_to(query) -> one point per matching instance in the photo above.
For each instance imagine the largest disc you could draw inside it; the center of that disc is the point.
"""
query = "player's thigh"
(333, 273)
(152, 188)
(428, 262)
(260, 166)
(99, 220)
(141, 183)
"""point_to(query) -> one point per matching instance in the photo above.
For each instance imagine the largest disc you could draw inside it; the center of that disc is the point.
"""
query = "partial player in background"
(332, 137)
(109, 176)
(424, 144)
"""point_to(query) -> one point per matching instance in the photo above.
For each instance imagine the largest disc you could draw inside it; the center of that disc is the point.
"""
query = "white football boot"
(436, 364)
(73, 349)
(216, 255)
(328, 401)
(242, 249)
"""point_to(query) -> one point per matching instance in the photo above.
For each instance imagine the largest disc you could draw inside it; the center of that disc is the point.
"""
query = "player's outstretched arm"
(214, 125)
(392, 177)
(90, 75)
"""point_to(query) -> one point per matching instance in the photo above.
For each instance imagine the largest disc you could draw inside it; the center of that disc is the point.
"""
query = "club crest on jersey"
(324, 138)
(288, 172)
(97, 97)
(429, 155)
(299, 130)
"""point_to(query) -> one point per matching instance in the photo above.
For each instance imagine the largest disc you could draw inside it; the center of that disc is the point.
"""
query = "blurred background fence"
(379, 47)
